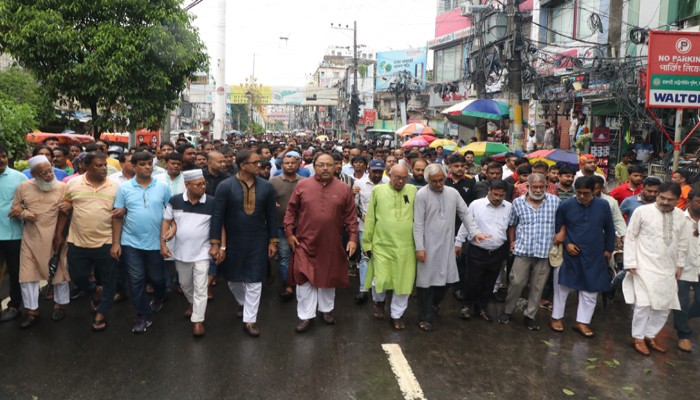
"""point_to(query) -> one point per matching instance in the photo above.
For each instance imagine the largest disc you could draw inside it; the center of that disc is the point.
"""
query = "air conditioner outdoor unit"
(467, 9)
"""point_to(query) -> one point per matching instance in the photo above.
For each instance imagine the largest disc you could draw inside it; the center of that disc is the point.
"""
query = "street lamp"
(249, 96)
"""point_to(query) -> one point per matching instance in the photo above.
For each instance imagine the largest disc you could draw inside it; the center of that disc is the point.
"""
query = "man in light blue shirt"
(10, 233)
(140, 201)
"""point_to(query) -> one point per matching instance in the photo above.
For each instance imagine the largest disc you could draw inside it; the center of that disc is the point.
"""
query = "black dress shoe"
(531, 324)
(251, 329)
(29, 319)
(9, 314)
(361, 298)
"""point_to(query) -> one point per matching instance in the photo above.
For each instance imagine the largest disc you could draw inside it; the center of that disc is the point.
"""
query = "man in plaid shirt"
(532, 221)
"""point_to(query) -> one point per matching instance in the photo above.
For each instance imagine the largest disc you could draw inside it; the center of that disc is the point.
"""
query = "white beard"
(46, 186)
(536, 197)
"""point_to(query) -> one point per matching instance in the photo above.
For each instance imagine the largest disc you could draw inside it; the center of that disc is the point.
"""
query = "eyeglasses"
(45, 173)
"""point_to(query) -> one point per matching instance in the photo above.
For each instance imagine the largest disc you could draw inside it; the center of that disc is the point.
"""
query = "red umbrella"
(427, 138)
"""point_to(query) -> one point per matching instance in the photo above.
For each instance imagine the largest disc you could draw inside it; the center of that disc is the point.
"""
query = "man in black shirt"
(215, 171)
(464, 184)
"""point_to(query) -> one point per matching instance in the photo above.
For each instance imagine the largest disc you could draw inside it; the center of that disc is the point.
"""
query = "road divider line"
(404, 374)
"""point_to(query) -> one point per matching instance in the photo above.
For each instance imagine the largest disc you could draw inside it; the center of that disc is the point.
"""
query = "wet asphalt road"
(459, 360)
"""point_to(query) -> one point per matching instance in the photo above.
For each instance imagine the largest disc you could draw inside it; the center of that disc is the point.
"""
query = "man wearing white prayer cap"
(189, 215)
(36, 203)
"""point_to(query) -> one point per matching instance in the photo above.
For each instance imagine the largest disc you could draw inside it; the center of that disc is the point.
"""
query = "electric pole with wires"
(515, 95)
(353, 117)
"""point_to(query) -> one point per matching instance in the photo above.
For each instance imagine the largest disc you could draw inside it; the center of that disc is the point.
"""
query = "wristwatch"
(223, 248)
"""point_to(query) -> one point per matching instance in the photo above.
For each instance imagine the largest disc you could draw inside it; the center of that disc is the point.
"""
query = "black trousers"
(81, 264)
(427, 299)
(483, 268)
(9, 253)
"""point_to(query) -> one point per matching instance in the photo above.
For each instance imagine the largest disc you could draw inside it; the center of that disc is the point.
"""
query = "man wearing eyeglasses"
(318, 211)
(245, 208)
(140, 203)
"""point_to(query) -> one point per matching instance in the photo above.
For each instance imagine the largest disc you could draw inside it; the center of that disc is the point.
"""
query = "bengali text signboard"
(673, 80)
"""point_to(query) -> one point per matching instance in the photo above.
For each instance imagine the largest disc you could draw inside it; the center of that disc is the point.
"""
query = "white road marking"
(404, 375)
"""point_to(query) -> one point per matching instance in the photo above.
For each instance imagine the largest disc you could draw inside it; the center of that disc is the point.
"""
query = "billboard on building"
(390, 63)
(261, 94)
(287, 95)
(674, 70)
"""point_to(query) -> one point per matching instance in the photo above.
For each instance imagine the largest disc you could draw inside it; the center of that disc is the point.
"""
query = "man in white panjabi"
(36, 203)
(655, 247)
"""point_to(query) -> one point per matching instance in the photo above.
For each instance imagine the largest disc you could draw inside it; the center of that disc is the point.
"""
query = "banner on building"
(260, 94)
(390, 63)
(673, 80)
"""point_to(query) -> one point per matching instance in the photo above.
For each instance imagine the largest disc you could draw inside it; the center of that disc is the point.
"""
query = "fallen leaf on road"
(548, 343)
(592, 359)
(568, 392)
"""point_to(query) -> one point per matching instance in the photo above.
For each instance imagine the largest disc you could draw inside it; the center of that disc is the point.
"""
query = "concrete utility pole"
(515, 95)
(354, 95)
(220, 75)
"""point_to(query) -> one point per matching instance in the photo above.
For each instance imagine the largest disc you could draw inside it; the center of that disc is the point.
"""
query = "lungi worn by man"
(388, 242)
(655, 247)
(318, 211)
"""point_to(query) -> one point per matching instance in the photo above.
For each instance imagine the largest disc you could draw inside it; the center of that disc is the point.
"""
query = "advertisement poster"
(674, 70)
(390, 63)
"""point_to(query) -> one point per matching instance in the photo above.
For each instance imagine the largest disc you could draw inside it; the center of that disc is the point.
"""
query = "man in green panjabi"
(388, 243)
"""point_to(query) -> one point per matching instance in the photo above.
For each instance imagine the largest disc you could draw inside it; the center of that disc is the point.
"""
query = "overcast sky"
(256, 27)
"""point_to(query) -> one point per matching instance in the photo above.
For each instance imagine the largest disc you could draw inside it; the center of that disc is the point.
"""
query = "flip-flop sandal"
(98, 325)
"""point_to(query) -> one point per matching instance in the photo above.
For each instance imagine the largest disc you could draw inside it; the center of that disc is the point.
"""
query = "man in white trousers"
(655, 248)
(186, 218)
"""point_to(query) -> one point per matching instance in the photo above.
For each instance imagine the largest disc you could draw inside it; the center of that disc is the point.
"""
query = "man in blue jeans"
(140, 203)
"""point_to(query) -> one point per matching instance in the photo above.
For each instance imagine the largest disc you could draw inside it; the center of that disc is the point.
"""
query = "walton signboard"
(673, 80)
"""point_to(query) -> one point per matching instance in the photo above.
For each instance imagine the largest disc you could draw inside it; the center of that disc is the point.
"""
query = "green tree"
(127, 60)
(16, 120)
(22, 88)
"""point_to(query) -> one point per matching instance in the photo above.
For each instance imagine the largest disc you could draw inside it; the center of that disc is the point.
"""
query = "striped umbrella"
(415, 129)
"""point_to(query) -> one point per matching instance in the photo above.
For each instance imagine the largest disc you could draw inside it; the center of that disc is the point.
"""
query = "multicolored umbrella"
(553, 157)
(442, 143)
(468, 113)
(427, 138)
(484, 149)
(415, 129)
(415, 142)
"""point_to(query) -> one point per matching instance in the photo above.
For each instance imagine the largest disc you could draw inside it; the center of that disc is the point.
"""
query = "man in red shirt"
(681, 177)
(632, 187)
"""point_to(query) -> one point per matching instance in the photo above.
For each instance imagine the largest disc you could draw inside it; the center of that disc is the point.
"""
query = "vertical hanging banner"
(673, 80)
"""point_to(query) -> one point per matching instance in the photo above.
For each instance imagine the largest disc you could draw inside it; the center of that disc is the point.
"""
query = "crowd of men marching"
(111, 222)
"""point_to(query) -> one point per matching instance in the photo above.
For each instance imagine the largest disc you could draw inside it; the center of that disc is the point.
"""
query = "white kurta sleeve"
(419, 209)
(631, 239)
(683, 243)
(471, 229)
(618, 221)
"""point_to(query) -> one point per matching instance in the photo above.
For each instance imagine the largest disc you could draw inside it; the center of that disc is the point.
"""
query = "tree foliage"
(22, 88)
(16, 120)
(125, 59)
